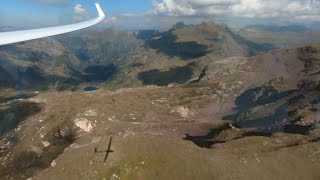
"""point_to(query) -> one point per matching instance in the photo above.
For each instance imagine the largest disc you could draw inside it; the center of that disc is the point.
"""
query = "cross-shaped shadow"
(107, 151)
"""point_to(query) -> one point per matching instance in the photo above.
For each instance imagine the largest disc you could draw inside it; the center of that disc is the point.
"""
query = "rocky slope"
(129, 58)
(247, 117)
(187, 49)
(36, 64)
(62, 62)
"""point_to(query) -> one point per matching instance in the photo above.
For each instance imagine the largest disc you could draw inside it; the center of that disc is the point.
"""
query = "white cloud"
(79, 9)
(80, 13)
(255, 9)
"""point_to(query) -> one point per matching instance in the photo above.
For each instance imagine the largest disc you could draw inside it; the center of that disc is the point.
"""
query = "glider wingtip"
(101, 13)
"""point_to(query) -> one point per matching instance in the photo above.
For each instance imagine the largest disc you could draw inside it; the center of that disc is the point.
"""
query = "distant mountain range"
(135, 58)
(276, 28)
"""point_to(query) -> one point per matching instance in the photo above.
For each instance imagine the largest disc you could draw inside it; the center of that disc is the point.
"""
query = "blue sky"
(144, 14)
(38, 7)
(51, 12)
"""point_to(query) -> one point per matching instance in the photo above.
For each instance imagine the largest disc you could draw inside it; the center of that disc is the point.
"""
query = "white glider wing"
(25, 35)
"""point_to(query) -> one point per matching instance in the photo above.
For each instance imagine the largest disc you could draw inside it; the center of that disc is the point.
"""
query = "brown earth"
(249, 118)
